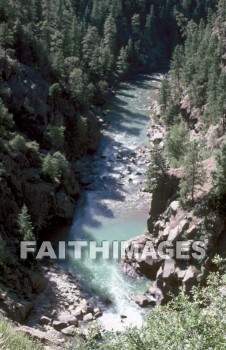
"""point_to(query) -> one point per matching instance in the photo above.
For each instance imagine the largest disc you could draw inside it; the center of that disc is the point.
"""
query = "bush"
(6, 119)
(55, 166)
(196, 322)
(56, 134)
(18, 144)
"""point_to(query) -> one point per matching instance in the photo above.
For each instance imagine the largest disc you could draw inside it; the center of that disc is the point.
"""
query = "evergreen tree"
(218, 194)
(164, 96)
(194, 175)
(122, 63)
(177, 143)
(26, 229)
(157, 169)
(175, 72)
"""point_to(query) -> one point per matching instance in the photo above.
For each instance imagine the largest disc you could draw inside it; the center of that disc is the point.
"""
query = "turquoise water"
(113, 209)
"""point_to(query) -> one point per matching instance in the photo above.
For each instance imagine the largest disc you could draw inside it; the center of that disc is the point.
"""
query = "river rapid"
(114, 207)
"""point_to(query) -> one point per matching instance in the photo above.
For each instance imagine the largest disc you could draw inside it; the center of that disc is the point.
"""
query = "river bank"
(114, 206)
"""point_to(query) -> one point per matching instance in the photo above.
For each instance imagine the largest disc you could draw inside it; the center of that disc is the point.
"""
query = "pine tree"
(122, 63)
(218, 193)
(221, 16)
(150, 31)
(26, 229)
(157, 169)
(175, 72)
(177, 143)
(194, 175)
(164, 95)
(6, 37)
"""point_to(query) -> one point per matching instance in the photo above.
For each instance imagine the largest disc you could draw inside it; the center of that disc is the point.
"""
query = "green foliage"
(177, 143)
(122, 63)
(196, 322)
(194, 175)
(218, 194)
(6, 120)
(55, 166)
(26, 229)
(105, 39)
(196, 68)
(56, 134)
(164, 96)
(157, 169)
(18, 144)
(14, 340)
(80, 88)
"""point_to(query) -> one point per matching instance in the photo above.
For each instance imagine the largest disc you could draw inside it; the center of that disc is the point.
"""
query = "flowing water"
(113, 208)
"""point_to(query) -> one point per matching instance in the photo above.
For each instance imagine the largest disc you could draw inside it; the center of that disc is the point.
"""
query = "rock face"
(47, 300)
(170, 255)
(27, 95)
(42, 337)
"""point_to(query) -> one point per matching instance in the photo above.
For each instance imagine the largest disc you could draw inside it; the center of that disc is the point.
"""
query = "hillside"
(60, 63)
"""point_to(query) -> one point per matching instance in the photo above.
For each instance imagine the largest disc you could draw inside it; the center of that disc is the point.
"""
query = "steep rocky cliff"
(28, 98)
(168, 254)
(30, 105)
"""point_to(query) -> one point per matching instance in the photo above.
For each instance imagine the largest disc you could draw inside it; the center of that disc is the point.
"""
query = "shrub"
(54, 166)
(6, 119)
(56, 134)
(18, 144)
(196, 322)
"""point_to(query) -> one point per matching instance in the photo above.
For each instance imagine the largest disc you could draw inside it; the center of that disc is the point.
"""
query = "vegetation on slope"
(192, 101)
(196, 322)
(14, 340)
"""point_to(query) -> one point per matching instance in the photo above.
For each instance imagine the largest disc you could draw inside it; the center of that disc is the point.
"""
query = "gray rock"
(97, 312)
(143, 301)
(174, 234)
(38, 282)
(69, 331)
(174, 206)
(183, 226)
(23, 309)
(42, 337)
(44, 321)
(59, 325)
(88, 317)
(191, 276)
(169, 269)
(64, 205)
(192, 231)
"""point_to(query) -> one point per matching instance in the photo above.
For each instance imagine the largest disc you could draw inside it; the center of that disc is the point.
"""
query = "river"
(114, 208)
